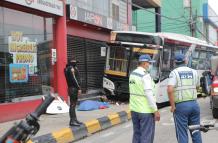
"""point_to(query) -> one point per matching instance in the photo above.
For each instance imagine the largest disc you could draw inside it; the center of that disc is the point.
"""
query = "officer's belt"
(137, 94)
(185, 88)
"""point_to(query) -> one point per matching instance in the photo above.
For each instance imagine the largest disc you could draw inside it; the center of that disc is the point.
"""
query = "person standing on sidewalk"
(142, 102)
(182, 93)
(74, 89)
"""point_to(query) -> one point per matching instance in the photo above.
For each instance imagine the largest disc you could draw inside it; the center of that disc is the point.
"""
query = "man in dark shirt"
(74, 89)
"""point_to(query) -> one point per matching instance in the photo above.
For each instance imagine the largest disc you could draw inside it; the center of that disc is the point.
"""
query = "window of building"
(25, 43)
(97, 6)
(115, 12)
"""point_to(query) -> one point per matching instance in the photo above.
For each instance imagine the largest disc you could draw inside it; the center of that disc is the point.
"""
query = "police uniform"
(187, 112)
(73, 81)
(142, 105)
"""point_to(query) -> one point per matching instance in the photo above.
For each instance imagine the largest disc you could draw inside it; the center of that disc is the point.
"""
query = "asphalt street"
(165, 131)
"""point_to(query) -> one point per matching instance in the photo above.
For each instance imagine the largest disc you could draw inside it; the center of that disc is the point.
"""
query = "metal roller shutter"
(95, 64)
(91, 64)
(76, 48)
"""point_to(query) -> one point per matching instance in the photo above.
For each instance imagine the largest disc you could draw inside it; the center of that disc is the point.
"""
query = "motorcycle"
(204, 127)
(25, 129)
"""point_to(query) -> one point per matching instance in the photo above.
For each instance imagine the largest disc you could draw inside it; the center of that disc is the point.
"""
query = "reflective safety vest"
(138, 101)
(185, 89)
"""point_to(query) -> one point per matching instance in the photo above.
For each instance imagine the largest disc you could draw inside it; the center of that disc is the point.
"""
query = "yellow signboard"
(146, 51)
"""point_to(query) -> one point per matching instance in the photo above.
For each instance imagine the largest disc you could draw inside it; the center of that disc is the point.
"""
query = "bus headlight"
(108, 84)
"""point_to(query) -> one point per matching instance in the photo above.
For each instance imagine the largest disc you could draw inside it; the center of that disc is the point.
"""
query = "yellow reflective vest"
(138, 101)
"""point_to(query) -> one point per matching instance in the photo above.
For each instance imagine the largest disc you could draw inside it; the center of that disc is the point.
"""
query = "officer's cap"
(145, 58)
(179, 58)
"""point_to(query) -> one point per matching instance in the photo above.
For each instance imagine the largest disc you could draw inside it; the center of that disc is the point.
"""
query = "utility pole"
(191, 20)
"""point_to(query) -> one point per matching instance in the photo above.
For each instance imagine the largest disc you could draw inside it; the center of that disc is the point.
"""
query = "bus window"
(195, 54)
(118, 57)
(203, 55)
(200, 60)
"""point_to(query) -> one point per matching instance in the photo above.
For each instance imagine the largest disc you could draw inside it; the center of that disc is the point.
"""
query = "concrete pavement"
(56, 126)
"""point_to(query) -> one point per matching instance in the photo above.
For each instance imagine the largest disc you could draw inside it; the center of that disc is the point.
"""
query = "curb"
(67, 135)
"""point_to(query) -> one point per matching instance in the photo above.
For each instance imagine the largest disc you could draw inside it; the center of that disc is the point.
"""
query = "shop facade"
(89, 24)
(30, 31)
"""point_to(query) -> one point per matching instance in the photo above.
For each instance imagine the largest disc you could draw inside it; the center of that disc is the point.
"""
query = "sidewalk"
(52, 123)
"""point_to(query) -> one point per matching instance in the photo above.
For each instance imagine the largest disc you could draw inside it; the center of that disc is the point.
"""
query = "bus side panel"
(161, 92)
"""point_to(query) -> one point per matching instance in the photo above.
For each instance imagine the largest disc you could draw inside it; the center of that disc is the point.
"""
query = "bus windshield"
(117, 59)
(122, 60)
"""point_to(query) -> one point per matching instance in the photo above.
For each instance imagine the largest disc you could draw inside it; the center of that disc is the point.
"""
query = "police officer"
(142, 104)
(182, 94)
(74, 89)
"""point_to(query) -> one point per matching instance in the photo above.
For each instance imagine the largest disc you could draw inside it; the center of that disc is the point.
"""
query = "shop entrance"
(91, 62)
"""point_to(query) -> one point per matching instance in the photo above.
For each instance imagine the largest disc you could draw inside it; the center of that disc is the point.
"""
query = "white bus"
(125, 47)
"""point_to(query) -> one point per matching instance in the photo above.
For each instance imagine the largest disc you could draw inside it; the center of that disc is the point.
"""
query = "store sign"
(103, 51)
(73, 12)
(50, 6)
(23, 50)
(77, 13)
(18, 73)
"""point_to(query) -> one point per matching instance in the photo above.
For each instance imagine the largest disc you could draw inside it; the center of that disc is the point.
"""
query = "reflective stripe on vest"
(186, 88)
(138, 101)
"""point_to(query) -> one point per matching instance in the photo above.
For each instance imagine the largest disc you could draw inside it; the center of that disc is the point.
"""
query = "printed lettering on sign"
(186, 75)
(93, 18)
(24, 50)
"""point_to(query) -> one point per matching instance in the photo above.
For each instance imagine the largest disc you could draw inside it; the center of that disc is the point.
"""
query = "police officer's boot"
(78, 122)
(73, 118)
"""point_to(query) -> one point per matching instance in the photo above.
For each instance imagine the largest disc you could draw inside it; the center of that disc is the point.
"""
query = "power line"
(174, 19)
(170, 18)
(204, 36)
(164, 26)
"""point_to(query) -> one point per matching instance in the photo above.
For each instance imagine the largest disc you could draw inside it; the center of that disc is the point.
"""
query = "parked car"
(214, 97)
(214, 87)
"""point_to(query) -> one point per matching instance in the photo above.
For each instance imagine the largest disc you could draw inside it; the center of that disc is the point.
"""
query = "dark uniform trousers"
(73, 94)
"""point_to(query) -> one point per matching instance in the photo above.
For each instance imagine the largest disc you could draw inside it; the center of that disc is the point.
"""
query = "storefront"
(88, 31)
(29, 33)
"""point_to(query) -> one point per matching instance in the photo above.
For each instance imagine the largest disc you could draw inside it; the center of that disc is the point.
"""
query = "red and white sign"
(50, 6)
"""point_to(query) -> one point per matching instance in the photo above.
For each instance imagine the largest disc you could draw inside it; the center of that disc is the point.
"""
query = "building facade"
(29, 31)
(210, 24)
(89, 23)
(176, 17)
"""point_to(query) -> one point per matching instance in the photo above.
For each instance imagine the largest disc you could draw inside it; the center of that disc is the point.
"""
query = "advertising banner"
(23, 50)
(83, 15)
(18, 73)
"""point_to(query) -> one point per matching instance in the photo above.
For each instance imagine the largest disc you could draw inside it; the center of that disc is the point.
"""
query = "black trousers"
(73, 94)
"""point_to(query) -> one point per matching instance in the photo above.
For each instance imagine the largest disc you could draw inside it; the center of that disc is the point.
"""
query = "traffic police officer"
(182, 94)
(142, 102)
(74, 89)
